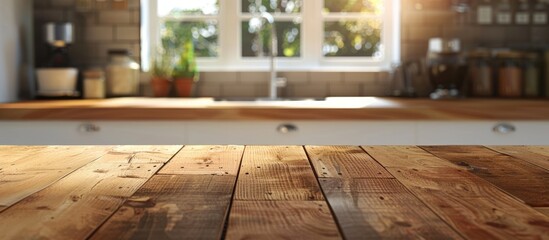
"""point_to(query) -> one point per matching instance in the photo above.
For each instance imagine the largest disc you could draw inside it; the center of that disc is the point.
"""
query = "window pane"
(175, 8)
(203, 33)
(356, 6)
(257, 41)
(281, 6)
(357, 38)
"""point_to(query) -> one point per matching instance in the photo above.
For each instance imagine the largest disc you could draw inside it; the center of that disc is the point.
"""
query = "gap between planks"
(472, 206)
(161, 209)
(372, 204)
(74, 206)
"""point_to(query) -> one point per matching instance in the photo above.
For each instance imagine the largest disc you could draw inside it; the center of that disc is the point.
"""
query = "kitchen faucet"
(274, 81)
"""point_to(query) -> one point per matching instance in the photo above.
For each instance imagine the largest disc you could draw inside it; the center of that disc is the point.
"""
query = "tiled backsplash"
(97, 28)
(424, 19)
(102, 29)
(300, 84)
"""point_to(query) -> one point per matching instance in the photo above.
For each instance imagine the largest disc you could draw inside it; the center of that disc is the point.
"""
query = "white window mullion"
(229, 22)
(312, 33)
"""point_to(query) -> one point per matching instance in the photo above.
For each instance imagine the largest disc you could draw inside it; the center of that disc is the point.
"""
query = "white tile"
(325, 77)
(344, 90)
(114, 17)
(254, 77)
(98, 33)
(220, 77)
(129, 33)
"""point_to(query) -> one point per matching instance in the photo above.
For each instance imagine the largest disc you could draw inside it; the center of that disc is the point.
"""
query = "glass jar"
(531, 75)
(485, 12)
(480, 73)
(122, 74)
(504, 13)
(510, 74)
(541, 13)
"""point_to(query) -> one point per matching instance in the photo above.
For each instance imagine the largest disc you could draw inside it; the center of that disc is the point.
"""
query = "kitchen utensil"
(58, 36)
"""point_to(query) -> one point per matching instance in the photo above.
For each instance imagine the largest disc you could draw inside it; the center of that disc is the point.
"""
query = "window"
(312, 34)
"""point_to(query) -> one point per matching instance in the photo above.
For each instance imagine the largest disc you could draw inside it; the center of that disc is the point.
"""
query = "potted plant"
(161, 72)
(185, 72)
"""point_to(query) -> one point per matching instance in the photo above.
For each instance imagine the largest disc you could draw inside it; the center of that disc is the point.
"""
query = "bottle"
(122, 74)
(510, 74)
(485, 12)
(480, 73)
(504, 12)
(522, 17)
(540, 15)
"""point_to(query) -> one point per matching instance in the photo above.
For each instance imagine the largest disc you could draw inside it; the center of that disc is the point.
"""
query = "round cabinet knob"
(89, 128)
(504, 128)
(287, 128)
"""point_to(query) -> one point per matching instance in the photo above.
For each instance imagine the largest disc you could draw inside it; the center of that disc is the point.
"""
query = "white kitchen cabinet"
(302, 132)
(483, 133)
(92, 133)
(275, 132)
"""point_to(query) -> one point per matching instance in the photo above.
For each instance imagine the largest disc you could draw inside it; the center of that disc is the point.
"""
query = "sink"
(244, 99)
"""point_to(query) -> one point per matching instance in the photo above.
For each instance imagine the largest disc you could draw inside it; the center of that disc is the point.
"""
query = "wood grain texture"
(472, 206)
(528, 154)
(217, 160)
(475, 208)
(398, 156)
(10, 154)
(281, 220)
(506, 172)
(276, 173)
(344, 162)
(27, 170)
(543, 210)
(73, 207)
(365, 108)
(382, 209)
(173, 207)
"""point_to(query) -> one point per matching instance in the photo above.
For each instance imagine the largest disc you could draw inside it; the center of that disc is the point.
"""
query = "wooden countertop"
(358, 108)
(266, 192)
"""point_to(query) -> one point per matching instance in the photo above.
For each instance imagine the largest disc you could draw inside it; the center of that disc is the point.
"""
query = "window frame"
(230, 57)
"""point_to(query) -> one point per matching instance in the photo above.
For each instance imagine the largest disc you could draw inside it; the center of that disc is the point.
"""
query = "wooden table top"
(337, 108)
(274, 192)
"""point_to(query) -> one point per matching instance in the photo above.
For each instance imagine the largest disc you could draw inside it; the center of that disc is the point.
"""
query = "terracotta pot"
(184, 86)
(161, 86)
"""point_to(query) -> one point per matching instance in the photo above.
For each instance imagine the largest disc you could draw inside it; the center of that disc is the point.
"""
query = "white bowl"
(57, 79)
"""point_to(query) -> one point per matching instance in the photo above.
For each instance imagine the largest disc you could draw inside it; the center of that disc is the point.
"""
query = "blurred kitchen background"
(494, 33)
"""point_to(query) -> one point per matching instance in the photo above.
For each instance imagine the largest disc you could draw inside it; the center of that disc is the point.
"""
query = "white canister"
(122, 74)
(94, 84)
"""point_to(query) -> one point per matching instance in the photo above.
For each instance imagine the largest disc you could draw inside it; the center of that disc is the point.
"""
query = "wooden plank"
(281, 220)
(472, 206)
(333, 109)
(276, 173)
(30, 169)
(73, 207)
(11, 154)
(218, 160)
(344, 162)
(398, 156)
(506, 172)
(543, 210)
(173, 207)
(382, 209)
(524, 153)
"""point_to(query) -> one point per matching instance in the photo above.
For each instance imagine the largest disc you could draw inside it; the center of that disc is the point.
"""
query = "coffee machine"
(56, 77)
(447, 68)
